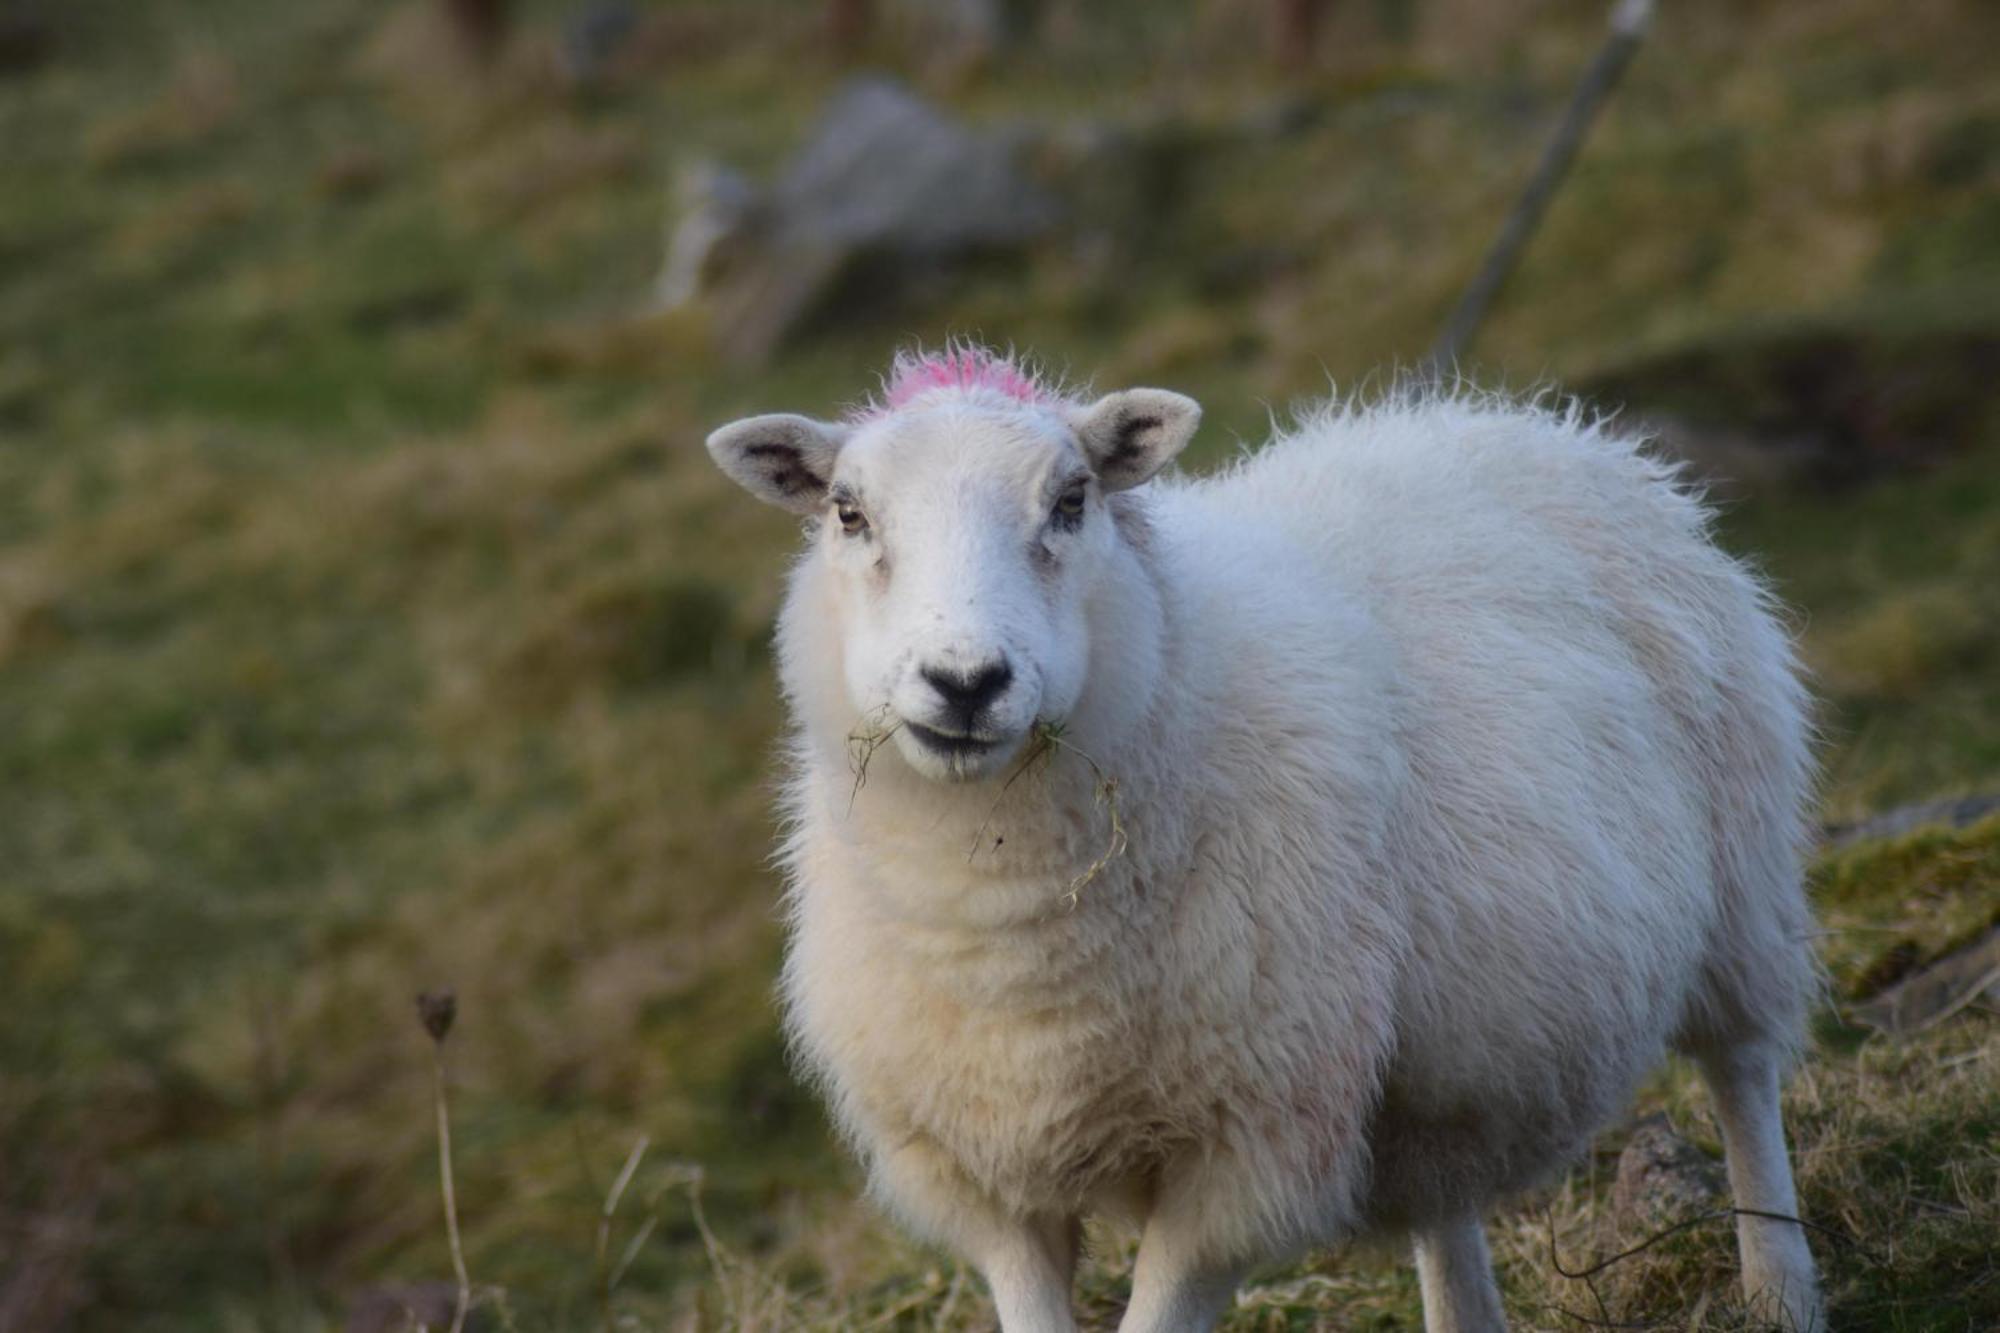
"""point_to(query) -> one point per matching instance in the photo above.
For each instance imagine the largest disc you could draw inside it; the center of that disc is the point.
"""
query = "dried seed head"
(436, 1009)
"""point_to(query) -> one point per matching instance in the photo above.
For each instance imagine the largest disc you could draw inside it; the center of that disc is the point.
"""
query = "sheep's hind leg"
(1455, 1270)
(1778, 1278)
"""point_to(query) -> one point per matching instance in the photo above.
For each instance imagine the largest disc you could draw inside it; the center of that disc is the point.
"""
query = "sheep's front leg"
(1028, 1261)
(1455, 1271)
(1029, 1266)
(1173, 1291)
(1181, 1283)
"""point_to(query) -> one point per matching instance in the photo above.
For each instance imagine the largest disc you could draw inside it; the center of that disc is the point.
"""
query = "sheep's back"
(1599, 727)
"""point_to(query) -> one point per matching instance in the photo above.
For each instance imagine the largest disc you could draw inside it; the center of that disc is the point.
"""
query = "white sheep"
(1323, 847)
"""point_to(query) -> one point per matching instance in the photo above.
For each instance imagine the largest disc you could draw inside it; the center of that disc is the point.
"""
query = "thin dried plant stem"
(464, 1298)
(1106, 795)
(868, 736)
(1048, 738)
(607, 1280)
(718, 1258)
(1038, 751)
(1685, 1224)
(951, 1295)
(632, 1248)
(914, 1300)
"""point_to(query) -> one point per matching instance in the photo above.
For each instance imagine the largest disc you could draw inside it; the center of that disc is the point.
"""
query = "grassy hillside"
(370, 618)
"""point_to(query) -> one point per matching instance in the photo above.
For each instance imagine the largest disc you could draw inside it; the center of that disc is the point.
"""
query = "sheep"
(1324, 847)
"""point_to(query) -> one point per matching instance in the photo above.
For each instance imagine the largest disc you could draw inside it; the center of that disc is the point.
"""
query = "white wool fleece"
(1459, 776)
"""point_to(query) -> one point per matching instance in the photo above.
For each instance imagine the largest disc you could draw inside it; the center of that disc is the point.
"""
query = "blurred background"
(371, 619)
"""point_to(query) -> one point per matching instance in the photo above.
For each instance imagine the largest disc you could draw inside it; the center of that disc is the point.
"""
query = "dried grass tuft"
(869, 735)
(1050, 737)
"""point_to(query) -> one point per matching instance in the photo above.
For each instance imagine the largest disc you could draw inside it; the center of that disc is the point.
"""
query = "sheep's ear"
(1131, 435)
(781, 459)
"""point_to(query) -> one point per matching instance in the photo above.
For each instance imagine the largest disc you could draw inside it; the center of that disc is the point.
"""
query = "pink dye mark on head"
(963, 368)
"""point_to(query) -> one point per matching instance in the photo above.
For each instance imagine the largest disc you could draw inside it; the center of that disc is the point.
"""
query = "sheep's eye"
(1070, 507)
(852, 521)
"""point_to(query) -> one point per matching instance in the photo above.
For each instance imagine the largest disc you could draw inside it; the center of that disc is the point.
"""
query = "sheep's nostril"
(965, 693)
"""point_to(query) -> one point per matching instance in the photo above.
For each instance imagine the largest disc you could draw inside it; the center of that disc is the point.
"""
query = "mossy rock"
(1862, 397)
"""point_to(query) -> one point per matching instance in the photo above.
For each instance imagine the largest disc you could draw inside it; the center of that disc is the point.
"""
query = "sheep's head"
(960, 545)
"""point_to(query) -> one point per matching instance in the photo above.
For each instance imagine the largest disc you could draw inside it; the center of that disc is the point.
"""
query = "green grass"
(371, 620)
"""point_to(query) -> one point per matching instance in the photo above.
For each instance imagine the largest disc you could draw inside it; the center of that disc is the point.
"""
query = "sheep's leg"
(1455, 1271)
(1171, 1294)
(1177, 1285)
(1778, 1275)
(1029, 1267)
(1028, 1262)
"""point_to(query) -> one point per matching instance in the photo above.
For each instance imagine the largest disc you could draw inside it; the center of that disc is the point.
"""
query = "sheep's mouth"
(950, 745)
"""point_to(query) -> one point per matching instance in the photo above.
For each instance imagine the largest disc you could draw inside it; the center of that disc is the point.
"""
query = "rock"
(1833, 403)
(715, 210)
(886, 166)
(885, 177)
(1952, 812)
(1663, 1178)
(1730, 462)
(1118, 179)
(1934, 993)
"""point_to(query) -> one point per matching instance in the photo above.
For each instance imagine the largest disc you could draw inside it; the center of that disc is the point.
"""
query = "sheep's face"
(962, 541)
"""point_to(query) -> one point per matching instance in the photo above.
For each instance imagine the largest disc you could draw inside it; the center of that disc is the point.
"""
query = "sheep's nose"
(966, 692)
